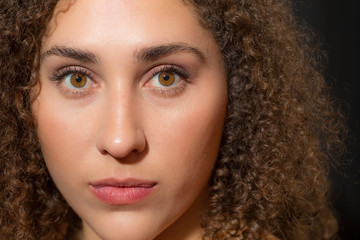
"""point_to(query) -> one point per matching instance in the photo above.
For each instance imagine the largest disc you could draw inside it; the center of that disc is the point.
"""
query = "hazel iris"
(78, 80)
(166, 78)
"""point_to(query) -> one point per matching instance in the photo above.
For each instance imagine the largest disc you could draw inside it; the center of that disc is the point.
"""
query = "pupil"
(166, 77)
(78, 79)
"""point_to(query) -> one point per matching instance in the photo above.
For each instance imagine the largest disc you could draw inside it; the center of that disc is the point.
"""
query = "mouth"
(122, 192)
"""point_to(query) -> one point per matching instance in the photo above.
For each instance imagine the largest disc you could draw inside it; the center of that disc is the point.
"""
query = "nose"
(120, 134)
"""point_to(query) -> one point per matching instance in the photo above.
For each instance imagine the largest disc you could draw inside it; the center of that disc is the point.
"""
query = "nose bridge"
(120, 132)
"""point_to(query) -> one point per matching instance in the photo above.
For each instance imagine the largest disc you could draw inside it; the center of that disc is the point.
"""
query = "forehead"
(124, 21)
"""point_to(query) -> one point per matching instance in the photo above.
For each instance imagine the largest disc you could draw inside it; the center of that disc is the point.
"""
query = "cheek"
(63, 135)
(66, 140)
(188, 139)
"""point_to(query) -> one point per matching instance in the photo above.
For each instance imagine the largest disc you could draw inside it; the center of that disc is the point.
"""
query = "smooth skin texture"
(104, 111)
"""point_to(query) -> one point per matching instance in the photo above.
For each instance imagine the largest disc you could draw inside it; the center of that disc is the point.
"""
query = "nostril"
(103, 152)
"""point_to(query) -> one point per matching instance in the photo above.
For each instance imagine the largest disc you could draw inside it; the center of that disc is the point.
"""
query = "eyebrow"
(145, 54)
(77, 54)
(156, 52)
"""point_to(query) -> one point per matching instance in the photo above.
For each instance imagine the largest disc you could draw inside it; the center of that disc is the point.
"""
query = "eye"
(168, 80)
(76, 81)
(165, 79)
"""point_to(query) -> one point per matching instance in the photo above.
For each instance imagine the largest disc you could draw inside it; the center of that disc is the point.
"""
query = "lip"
(129, 191)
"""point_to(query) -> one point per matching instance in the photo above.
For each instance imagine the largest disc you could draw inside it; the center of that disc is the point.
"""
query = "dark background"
(336, 24)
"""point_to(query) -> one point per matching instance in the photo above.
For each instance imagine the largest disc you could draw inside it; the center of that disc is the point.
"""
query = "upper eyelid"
(66, 70)
(171, 68)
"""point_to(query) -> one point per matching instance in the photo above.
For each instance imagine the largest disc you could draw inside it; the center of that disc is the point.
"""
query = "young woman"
(162, 120)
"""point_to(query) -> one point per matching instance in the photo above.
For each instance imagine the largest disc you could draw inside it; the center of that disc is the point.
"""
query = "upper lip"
(125, 183)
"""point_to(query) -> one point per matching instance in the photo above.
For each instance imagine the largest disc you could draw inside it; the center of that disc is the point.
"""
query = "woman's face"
(130, 115)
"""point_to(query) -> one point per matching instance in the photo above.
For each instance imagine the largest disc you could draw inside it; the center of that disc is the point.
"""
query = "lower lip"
(121, 195)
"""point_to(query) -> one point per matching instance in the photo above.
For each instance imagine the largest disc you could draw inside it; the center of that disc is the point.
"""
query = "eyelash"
(63, 72)
(171, 68)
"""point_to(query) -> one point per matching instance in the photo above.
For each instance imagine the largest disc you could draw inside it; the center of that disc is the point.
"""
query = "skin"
(123, 124)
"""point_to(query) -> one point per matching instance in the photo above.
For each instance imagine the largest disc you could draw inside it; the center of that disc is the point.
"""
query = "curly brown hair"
(281, 132)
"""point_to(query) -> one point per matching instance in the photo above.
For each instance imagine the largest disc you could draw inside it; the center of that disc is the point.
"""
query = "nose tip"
(121, 143)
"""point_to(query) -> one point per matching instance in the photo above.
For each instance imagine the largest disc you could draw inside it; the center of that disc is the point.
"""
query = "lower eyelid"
(170, 91)
(77, 94)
